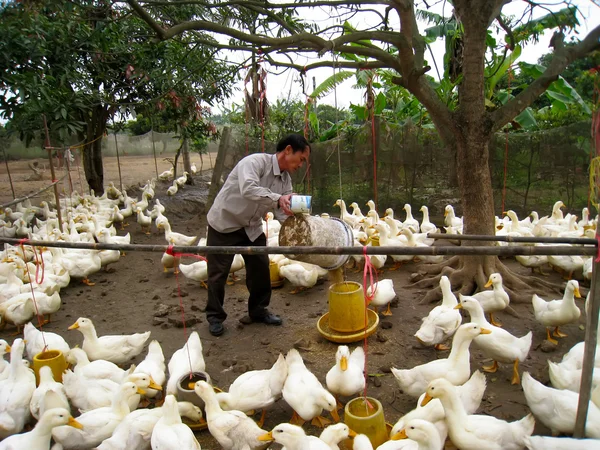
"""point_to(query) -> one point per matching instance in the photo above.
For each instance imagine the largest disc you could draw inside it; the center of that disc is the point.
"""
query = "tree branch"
(412, 74)
(508, 31)
(563, 56)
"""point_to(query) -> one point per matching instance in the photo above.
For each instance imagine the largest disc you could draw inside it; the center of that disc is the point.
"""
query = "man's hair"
(297, 141)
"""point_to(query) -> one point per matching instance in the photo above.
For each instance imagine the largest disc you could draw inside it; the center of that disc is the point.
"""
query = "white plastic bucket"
(303, 230)
(300, 204)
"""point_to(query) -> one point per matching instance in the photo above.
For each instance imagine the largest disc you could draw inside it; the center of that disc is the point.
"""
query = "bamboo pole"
(589, 355)
(257, 250)
(119, 162)
(541, 240)
(56, 195)
(39, 191)
(153, 149)
(8, 172)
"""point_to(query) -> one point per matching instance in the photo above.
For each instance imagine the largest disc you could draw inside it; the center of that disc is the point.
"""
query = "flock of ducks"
(389, 230)
(108, 396)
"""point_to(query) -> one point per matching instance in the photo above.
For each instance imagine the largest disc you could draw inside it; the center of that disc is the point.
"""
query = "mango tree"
(396, 43)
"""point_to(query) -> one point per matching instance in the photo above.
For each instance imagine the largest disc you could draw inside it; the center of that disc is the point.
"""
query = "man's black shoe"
(216, 328)
(268, 318)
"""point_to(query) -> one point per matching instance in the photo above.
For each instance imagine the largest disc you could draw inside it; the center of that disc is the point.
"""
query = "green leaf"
(380, 102)
(331, 83)
(500, 71)
(526, 119)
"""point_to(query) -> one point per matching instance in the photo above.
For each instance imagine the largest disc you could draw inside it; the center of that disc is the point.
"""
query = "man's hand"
(284, 204)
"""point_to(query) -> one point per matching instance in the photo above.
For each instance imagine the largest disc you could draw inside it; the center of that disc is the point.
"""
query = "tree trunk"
(92, 151)
(215, 184)
(187, 165)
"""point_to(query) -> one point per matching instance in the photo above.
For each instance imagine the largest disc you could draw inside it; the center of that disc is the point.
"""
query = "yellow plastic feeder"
(367, 418)
(345, 321)
(346, 307)
(53, 358)
(276, 279)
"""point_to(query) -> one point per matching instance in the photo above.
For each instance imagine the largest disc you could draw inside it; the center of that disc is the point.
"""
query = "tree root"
(469, 275)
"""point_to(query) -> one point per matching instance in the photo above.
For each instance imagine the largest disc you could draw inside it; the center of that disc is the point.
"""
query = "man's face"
(294, 160)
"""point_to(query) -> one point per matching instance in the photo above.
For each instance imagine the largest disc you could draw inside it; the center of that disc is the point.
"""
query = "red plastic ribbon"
(368, 270)
(37, 312)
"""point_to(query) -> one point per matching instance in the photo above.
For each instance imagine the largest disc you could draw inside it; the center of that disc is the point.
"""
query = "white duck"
(233, 430)
(182, 179)
(410, 222)
(560, 443)
(555, 313)
(423, 433)
(16, 392)
(82, 263)
(114, 348)
(49, 394)
(170, 433)
(564, 377)
(499, 345)
(456, 368)
(237, 264)
(271, 227)
(475, 432)
(17, 310)
(39, 438)
(173, 189)
(305, 394)
(533, 261)
(143, 220)
(293, 437)
(411, 241)
(557, 409)
(334, 434)
(350, 219)
(153, 365)
(450, 219)
(566, 264)
(383, 295)
(98, 424)
(174, 238)
(255, 389)
(495, 300)
(362, 442)
(164, 176)
(99, 369)
(470, 393)
(347, 377)
(187, 359)
(196, 271)
(426, 225)
(299, 276)
(4, 364)
(135, 431)
(170, 260)
(442, 321)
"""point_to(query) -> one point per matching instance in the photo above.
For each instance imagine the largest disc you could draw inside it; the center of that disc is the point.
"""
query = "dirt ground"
(126, 301)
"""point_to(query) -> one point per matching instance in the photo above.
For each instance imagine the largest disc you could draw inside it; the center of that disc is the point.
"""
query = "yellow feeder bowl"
(367, 418)
(347, 337)
(276, 279)
(55, 359)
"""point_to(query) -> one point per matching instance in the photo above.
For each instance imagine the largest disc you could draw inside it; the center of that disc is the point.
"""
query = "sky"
(286, 84)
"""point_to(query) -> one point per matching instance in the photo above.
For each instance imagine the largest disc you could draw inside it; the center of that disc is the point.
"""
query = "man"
(257, 184)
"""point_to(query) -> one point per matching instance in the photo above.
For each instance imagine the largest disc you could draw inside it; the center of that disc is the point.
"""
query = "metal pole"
(56, 196)
(8, 172)
(119, 163)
